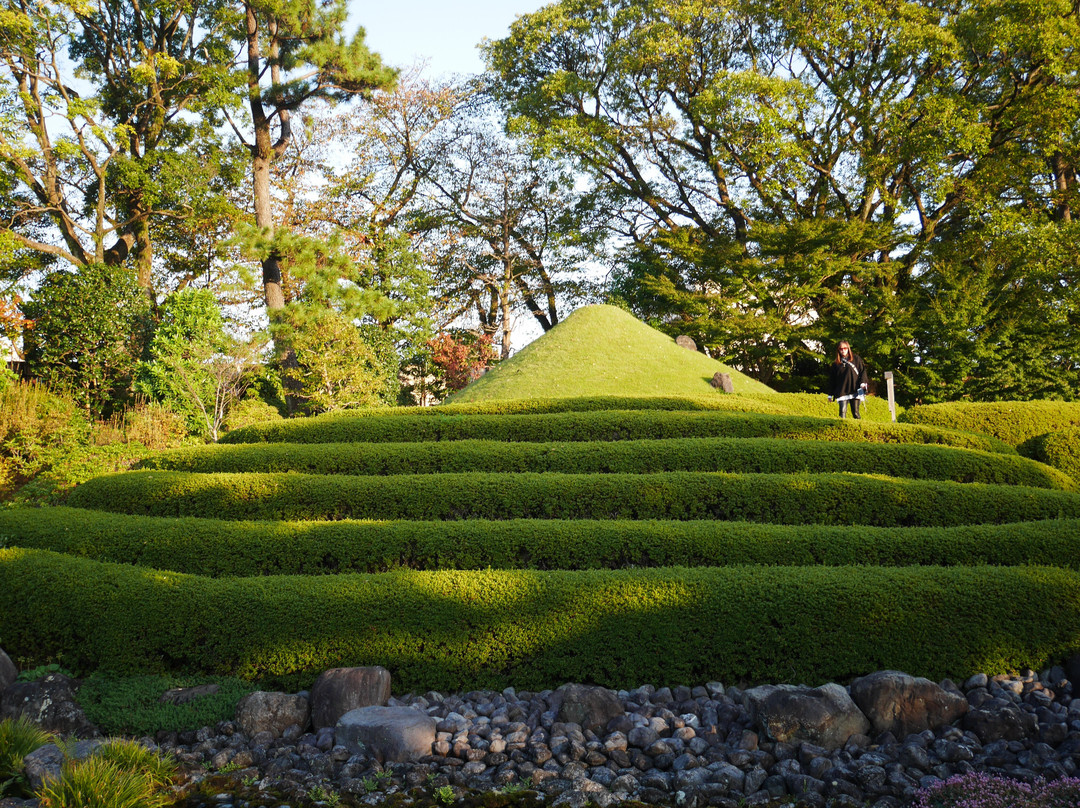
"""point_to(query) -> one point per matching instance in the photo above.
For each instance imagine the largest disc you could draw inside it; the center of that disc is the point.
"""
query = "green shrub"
(224, 548)
(1013, 422)
(599, 426)
(735, 455)
(252, 411)
(131, 705)
(777, 498)
(1061, 450)
(18, 738)
(458, 630)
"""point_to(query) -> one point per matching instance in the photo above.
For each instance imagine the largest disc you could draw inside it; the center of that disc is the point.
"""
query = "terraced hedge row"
(1013, 422)
(217, 548)
(776, 498)
(1061, 450)
(734, 455)
(600, 426)
(460, 630)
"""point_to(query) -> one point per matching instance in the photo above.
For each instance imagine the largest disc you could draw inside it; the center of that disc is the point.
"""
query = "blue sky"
(444, 33)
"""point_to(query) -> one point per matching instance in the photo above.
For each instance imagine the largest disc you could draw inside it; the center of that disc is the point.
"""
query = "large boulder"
(388, 734)
(587, 706)
(50, 703)
(1003, 723)
(8, 672)
(825, 716)
(901, 704)
(339, 690)
(272, 712)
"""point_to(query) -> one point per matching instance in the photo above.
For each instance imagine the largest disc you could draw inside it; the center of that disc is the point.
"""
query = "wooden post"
(892, 396)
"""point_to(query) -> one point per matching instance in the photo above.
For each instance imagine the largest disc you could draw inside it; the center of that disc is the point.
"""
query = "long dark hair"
(840, 345)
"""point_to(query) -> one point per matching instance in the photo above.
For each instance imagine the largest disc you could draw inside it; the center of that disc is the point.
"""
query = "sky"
(444, 33)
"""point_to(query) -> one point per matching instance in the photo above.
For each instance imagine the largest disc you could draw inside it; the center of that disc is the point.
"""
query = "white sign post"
(892, 396)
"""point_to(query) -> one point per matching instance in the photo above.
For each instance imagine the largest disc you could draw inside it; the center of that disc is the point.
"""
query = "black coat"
(845, 378)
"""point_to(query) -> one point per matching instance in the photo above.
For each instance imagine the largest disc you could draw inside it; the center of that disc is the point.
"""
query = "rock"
(1072, 670)
(1003, 723)
(389, 734)
(186, 695)
(722, 382)
(825, 716)
(339, 690)
(589, 707)
(8, 672)
(684, 341)
(903, 705)
(49, 703)
(272, 712)
(45, 762)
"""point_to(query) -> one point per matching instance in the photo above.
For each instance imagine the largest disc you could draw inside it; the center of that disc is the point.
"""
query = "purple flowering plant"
(981, 790)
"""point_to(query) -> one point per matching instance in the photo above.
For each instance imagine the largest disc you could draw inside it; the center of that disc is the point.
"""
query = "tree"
(105, 166)
(819, 151)
(194, 367)
(87, 332)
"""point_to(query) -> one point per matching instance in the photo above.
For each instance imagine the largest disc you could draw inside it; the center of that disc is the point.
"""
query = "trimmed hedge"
(219, 548)
(776, 498)
(599, 426)
(1061, 450)
(1013, 422)
(464, 630)
(736, 455)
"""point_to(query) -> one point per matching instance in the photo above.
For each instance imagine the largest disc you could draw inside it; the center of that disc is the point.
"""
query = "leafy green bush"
(131, 705)
(18, 738)
(463, 630)
(745, 455)
(225, 548)
(1013, 422)
(1058, 449)
(599, 425)
(849, 499)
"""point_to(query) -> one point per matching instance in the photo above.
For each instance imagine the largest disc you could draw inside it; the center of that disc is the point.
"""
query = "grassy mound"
(603, 351)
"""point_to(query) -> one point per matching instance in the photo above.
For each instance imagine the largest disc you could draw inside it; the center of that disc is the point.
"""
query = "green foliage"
(89, 329)
(188, 338)
(601, 425)
(735, 455)
(131, 705)
(248, 411)
(18, 738)
(228, 548)
(1014, 422)
(1058, 449)
(458, 630)
(119, 774)
(842, 499)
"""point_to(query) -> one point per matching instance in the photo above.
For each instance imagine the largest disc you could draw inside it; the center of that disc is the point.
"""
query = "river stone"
(339, 690)
(903, 705)
(8, 672)
(824, 715)
(1005, 723)
(50, 703)
(389, 734)
(272, 712)
(45, 762)
(587, 706)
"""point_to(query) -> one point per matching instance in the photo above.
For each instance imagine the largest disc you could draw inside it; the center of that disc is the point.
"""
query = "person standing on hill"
(847, 379)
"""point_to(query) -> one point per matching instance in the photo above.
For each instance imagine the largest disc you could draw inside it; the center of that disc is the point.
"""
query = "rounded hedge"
(494, 628)
(600, 426)
(733, 455)
(219, 548)
(1013, 422)
(1061, 450)
(775, 498)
